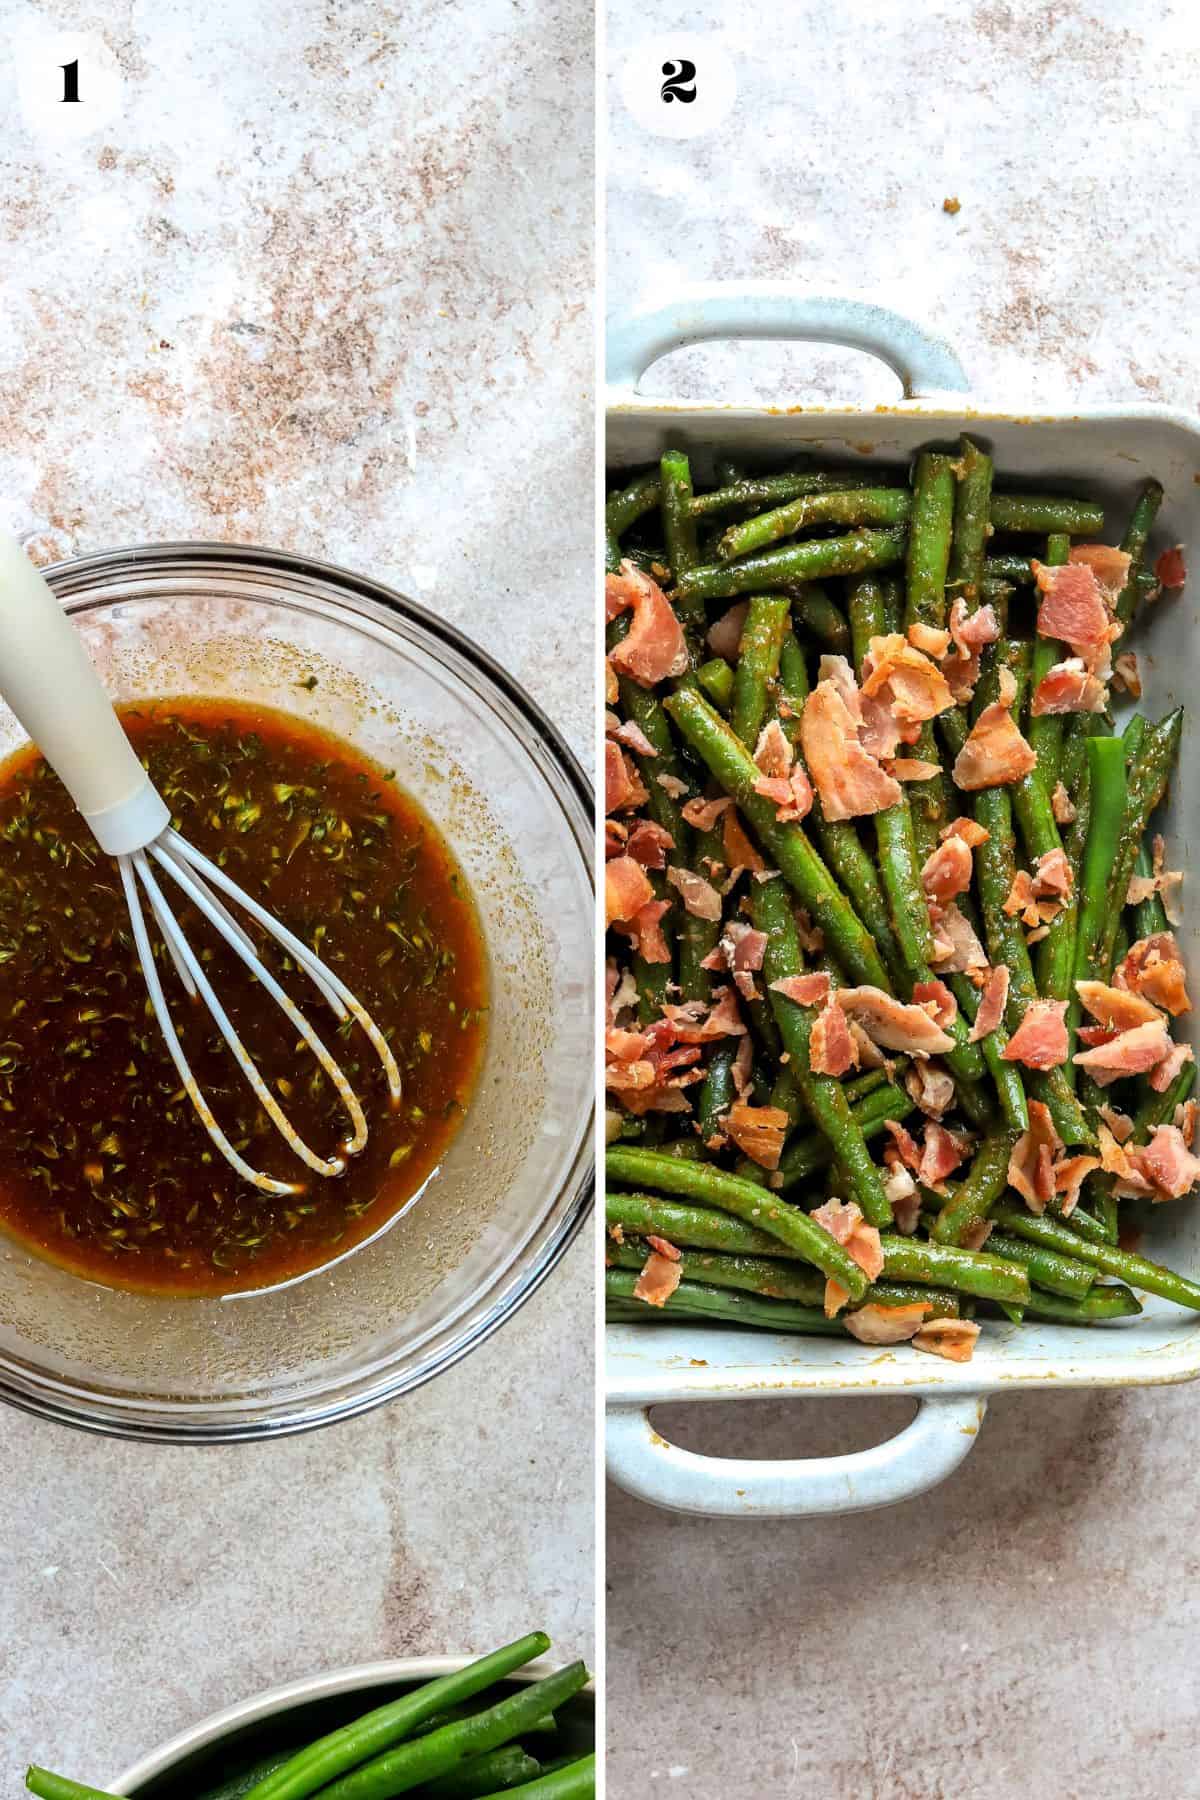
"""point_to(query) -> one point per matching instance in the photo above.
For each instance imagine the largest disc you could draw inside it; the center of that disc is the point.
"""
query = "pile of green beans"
(459, 1737)
(821, 560)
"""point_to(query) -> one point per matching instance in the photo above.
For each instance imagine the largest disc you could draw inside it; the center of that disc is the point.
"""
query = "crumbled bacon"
(1031, 1162)
(1154, 968)
(911, 768)
(1132, 1052)
(633, 737)
(970, 831)
(893, 1025)
(623, 786)
(1069, 687)
(648, 844)
(1109, 565)
(904, 1145)
(977, 1234)
(703, 814)
(626, 889)
(948, 869)
(663, 1247)
(1119, 1123)
(931, 1087)
(930, 639)
(700, 897)
(1072, 608)
(831, 1049)
(971, 633)
(1117, 1008)
(906, 681)
(671, 784)
(957, 949)
(739, 851)
(758, 1131)
(1052, 878)
(843, 1220)
(659, 1277)
(805, 990)
(1169, 568)
(953, 1339)
(848, 778)
(1163, 1074)
(1162, 881)
(1127, 677)
(875, 1324)
(1167, 1163)
(995, 753)
(654, 647)
(992, 1003)
(701, 1021)
(1062, 806)
(937, 1001)
(725, 634)
(1040, 1040)
(942, 1154)
(903, 1198)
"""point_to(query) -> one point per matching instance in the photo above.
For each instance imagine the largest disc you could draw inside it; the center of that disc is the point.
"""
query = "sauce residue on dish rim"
(104, 1167)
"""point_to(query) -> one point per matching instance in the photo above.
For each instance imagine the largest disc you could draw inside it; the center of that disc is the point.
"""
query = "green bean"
(236, 1787)
(929, 534)
(770, 490)
(1106, 790)
(60, 1787)
(572, 1781)
(823, 1097)
(1045, 1268)
(985, 1182)
(717, 1091)
(712, 1187)
(1141, 523)
(1103, 1303)
(726, 470)
(703, 1300)
(805, 1156)
(815, 614)
(1109, 1258)
(1146, 787)
(409, 1765)
(767, 622)
(851, 506)
(1150, 915)
(782, 568)
(679, 530)
(694, 1227)
(945, 1265)
(1046, 512)
(626, 506)
(971, 528)
(771, 1279)
(787, 848)
(319, 1763)
(1009, 569)
(496, 1772)
(716, 678)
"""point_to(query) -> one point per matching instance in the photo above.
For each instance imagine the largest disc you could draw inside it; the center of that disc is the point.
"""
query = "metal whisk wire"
(193, 873)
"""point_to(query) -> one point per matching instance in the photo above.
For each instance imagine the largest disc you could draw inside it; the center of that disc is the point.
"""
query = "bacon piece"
(957, 950)
(1069, 1177)
(1031, 1163)
(1186, 1116)
(703, 814)
(911, 768)
(615, 838)
(992, 1003)
(948, 870)
(1062, 806)
(1052, 878)
(758, 1131)
(875, 1324)
(660, 1276)
(700, 897)
(1109, 565)
(891, 1024)
(649, 843)
(626, 889)
(671, 784)
(1072, 607)
(1162, 881)
(1119, 1123)
(970, 632)
(1127, 676)
(626, 1046)
(848, 779)
(623, 786)
(1019, 898)
(1169, 568)
(904, 1145)
(1130, 1053)
(903, 1198)
(995, 753)
(931, 1087)
(912, 687)
(805, 990)
(1153, 967)
(739, 851)
(663, 1247)
(1168, 1070)
(970, 831)
(942, 1154)
(773, 754)
(1040, 1040)
(953, 1339)
(1116, 1008)
(612, 690)
(725, 634)
(843, 1220)
(1167, 1163)
(654, 647)
(831, 1049)
(836, 1297)
(792, 796)
(929, 639)
(699, 1021)
(937, 1000)
(633, 737)
(1069, 687)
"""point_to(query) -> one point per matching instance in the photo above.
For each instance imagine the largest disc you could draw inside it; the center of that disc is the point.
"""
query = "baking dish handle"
(772, 309)
(643, 1462)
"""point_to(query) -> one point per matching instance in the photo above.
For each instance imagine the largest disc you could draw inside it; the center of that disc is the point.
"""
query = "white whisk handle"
(48, 680)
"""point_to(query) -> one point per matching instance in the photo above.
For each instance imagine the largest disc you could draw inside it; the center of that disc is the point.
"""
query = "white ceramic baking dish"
(1103, 451)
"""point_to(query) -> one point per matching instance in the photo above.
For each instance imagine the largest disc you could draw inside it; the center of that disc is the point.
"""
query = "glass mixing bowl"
(516, 1182)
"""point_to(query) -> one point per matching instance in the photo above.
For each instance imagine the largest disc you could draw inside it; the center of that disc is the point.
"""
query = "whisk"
(48, 680)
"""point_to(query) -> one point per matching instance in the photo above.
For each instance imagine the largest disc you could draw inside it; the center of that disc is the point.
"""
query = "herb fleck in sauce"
(104, 1167)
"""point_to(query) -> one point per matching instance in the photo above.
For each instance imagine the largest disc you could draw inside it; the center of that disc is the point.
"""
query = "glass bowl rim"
(168, 1422)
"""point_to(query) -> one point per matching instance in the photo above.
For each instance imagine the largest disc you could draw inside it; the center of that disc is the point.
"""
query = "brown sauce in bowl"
(104, 1167)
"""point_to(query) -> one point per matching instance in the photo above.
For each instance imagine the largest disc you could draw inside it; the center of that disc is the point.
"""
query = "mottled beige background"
(1029, 1628)
(322, 281)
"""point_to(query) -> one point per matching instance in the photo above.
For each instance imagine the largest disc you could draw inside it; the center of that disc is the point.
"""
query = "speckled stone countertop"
(311, 285)
(1028, 1627)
